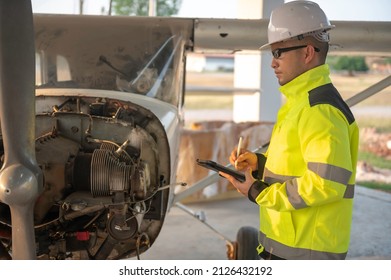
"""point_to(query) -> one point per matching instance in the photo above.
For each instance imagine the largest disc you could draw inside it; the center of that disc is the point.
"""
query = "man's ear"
(309, 54)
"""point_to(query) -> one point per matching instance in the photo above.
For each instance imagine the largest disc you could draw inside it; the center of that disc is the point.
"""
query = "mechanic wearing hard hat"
(304, 183)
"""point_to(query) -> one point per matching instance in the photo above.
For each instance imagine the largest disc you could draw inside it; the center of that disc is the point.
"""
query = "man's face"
(288, 60)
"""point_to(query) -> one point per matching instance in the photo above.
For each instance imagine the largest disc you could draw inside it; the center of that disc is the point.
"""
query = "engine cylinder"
(108, 174)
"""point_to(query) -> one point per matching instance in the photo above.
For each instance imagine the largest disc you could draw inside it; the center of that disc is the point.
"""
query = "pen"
(238, 149)
(239, 146)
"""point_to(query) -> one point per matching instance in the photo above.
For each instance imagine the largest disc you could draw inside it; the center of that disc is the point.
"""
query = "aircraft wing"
(364, 37)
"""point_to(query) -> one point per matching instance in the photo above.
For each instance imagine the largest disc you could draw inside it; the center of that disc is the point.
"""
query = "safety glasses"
(277, 52)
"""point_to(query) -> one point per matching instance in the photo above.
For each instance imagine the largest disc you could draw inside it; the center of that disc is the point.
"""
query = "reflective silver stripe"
(349, 193)
(293, 195)
(292, 188)
(330, 172)
(291, 253)
(271, 178)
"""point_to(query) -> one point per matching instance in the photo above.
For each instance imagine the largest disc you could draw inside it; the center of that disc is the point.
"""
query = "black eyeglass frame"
(277, 52)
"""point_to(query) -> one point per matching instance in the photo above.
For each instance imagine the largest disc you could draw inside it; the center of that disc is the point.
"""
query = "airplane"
(91, 117)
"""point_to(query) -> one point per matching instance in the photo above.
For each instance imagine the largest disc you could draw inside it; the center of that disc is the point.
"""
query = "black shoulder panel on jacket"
(328, 94)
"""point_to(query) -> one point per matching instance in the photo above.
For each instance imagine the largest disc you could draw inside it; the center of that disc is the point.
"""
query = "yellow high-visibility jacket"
(306, 211)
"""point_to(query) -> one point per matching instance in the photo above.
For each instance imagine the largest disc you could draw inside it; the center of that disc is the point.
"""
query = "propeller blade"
(20, 176)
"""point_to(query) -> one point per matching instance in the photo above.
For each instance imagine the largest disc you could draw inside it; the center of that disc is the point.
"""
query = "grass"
(376, 185)
(348, 86)
(208, 100)
(382, 124)
(374, 160)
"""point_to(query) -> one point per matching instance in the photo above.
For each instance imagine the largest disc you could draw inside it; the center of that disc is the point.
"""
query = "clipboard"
(218, 167)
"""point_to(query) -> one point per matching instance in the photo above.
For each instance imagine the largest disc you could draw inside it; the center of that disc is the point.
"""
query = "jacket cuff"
(256, 188)
(258, 174)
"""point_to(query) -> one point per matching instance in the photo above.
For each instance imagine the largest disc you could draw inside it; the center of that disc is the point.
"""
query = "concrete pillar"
(253, 70)
(152, 8)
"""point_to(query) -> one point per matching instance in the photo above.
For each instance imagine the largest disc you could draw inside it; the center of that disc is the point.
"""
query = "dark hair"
(322, 46)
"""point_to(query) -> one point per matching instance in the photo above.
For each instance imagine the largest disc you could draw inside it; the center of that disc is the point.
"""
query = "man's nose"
(274, 63)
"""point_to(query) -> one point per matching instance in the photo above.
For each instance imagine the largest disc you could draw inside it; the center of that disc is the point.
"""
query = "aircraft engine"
(103, 195)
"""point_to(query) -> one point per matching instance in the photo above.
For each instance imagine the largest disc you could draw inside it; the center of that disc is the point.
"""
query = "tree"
(140, 7)
(352, 64)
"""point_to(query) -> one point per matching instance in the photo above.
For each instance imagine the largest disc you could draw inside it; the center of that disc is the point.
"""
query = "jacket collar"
(300, 86)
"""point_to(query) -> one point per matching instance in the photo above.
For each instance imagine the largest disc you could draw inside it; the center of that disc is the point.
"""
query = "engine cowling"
(103, 177)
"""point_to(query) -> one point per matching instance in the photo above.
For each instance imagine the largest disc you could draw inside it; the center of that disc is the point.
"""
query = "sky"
(367, 10)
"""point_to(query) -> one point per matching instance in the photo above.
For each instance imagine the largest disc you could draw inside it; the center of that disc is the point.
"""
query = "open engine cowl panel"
(102, 165)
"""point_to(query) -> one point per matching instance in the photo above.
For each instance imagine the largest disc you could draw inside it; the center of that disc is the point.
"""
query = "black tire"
(247, 243)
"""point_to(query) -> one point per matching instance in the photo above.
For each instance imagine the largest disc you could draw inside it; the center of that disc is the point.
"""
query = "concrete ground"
(184, 237)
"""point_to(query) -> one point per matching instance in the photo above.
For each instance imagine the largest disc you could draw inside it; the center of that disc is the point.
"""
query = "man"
(304, 183)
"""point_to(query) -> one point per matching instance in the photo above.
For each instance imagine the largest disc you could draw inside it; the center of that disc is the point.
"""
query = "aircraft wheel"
(247, 243)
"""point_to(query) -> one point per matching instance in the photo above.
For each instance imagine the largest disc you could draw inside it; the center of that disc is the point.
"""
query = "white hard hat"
(297, 18)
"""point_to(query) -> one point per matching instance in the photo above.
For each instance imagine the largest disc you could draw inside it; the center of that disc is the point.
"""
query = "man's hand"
(245, 160)
(244, 187)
